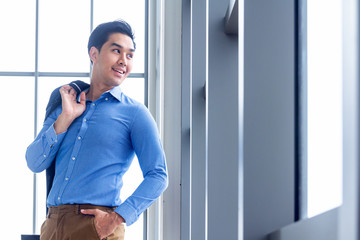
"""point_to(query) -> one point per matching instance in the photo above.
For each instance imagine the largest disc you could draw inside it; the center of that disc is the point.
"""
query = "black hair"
(102, 32)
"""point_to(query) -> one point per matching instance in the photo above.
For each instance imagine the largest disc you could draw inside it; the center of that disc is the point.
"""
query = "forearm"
(63, 122)
(41, 152)
(146, 193)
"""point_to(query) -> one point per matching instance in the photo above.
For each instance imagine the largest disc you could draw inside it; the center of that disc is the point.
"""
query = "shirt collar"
(116, 92)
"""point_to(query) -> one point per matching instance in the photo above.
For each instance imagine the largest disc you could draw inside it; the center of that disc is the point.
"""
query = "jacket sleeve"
(149, 150)
(42, 151)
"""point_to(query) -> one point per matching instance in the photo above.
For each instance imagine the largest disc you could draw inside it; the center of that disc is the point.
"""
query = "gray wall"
(268, 121)
(172, 125)
(267, 185)
(268, 117)
(210, 137)
(223, 128)
(268, 137)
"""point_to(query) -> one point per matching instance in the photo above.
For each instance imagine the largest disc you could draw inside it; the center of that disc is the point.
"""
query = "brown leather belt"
(76, 208)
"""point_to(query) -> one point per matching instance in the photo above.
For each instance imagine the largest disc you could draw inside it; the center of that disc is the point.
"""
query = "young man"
(94, 141)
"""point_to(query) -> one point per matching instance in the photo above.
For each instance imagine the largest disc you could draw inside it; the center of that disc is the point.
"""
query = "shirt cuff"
(51, 136)
(127, 212)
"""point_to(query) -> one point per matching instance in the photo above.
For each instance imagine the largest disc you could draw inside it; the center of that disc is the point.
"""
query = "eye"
(130, 56)
(116, 50)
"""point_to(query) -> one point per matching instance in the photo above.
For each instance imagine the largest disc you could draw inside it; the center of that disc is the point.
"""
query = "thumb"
(89, 211)
(82, 98)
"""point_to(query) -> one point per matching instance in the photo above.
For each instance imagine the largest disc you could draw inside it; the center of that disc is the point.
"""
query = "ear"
(94, 52)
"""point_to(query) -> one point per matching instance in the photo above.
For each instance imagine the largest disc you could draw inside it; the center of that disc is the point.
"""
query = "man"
(94, 139)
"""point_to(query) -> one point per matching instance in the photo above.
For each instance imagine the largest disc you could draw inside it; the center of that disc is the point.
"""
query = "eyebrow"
(119, 46)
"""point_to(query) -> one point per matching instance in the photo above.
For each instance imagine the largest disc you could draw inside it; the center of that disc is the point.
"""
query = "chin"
(118, 82)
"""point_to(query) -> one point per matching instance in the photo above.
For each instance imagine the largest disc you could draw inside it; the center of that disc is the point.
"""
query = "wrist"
(62, 123)
(118, 219)
(67, 117)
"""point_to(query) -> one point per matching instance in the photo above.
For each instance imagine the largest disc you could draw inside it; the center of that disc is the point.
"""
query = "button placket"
(76, 148)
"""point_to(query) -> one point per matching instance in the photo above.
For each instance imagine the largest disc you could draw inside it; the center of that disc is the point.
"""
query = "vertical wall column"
(172, 116)
(155, 74)
(269, 110)
(198, 165)
(222, 102)
(350, 211)
(185, 121)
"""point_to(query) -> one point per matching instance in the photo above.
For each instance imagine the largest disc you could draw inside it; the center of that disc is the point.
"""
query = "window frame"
(327, 224)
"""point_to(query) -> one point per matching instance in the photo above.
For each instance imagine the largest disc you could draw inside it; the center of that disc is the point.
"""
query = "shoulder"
(141, 116)
(135, 106)
(129, 101)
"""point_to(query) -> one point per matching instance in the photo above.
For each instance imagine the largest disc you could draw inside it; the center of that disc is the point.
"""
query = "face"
(113, 63)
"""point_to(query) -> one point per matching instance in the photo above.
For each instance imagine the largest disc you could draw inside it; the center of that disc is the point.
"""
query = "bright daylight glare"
(324, 105)
(64, 28)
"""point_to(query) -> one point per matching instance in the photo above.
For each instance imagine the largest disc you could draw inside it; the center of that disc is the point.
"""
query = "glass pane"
(324, 106)
(17, 132)
(64, 28)
(132, 12)
(134, 88)
(17, 27)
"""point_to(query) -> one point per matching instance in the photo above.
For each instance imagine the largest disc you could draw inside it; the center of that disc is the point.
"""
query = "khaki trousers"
(66, 222)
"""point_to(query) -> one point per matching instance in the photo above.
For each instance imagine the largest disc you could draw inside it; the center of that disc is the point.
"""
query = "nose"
(122, 60)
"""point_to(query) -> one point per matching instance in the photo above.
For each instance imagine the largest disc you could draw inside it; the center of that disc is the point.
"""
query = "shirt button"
(106, 99)
(85, 120)
(66, 179)
(56, 140)
(73, 158)
(79, 138)
(93, 104)
(58, 198)
(44, 155)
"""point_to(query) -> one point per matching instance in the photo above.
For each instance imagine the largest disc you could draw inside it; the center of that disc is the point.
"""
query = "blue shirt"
(95, 152)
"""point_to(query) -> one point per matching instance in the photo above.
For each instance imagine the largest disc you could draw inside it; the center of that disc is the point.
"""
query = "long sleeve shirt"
(95, 152)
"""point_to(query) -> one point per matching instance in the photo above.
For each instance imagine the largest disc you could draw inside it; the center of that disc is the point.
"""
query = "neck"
(96, 90)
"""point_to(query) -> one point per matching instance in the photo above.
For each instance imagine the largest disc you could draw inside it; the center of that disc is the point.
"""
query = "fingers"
(67, 89)
(90, 211)
(104, 221)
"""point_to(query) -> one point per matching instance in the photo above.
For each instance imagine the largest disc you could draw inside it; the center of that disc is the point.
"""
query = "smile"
(119, 71)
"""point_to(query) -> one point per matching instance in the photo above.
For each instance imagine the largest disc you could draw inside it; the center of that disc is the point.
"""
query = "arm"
(148, 148)
(42, 151)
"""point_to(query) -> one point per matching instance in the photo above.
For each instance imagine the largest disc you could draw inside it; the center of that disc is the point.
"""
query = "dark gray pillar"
(198, 165)
(223, 127)
(269, 76)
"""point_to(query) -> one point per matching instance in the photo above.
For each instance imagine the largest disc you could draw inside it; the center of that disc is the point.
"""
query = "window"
(54, 53)
(324, 106)
(17, 131)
